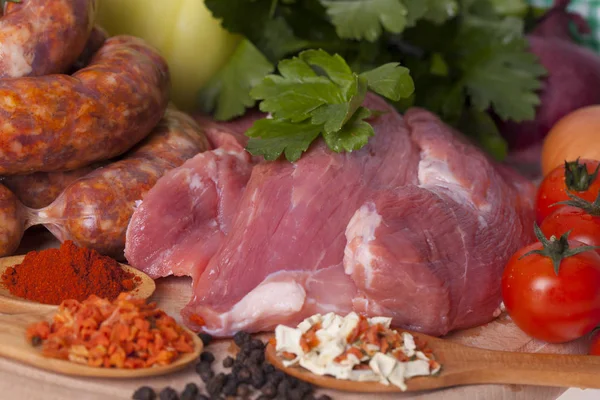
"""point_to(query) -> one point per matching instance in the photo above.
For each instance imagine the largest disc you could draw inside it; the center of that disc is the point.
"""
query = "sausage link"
(94, 43)
(41, 37)
(95, 210)
(40, 189)
(11, 222)
(63, 122)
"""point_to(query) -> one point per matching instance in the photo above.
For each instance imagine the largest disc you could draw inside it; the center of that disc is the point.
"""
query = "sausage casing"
(11, 222)
(63, 122)
(40, 189)
(41, 37)
(95, 210)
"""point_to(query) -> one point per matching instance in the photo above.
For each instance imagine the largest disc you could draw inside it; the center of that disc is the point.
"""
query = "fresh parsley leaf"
(227, 95)
(272, 137)
(316, 94)
(277, 40)
(499, 71)
(364, 19)
(246, 17)
(390, 80)
(437, 11)
(353, 135)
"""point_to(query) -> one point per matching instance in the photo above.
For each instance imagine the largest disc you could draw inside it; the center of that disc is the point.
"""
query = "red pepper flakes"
(125, 333)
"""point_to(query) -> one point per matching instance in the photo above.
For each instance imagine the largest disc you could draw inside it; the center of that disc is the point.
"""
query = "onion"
(575, 135)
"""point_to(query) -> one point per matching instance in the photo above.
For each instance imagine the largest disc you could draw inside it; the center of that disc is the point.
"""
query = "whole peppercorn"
(190, 392)
(168, 393)
(207, 357)
(206, 338)
(144, 393)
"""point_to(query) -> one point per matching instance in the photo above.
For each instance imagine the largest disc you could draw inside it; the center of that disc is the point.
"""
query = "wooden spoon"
(17, 314)
(463, 365)
(144, 289)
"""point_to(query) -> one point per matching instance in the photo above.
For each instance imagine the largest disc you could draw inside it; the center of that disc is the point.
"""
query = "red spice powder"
(69, 272)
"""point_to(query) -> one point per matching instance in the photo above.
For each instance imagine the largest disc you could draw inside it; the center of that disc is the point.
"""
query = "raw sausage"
(41, 37)
(40, 189)
(63, 122)
(94, 43)
(95, 210)
(11, 222)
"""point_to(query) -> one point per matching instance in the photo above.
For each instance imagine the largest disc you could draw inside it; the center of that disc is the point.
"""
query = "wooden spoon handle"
(530, 369)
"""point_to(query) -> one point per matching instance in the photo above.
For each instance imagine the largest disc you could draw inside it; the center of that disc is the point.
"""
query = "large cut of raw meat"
(417, 225)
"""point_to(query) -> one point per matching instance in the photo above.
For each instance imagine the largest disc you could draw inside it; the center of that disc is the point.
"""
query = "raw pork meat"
(417, 225)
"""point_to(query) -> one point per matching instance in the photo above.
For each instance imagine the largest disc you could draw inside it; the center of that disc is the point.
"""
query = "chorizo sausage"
(11, 222)
(40, 189)
(95, 210)
(94, 43)
(41, 37)
(63, 122)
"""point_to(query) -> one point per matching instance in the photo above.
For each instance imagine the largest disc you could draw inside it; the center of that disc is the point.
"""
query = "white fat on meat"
(273, 298)
(360, 232)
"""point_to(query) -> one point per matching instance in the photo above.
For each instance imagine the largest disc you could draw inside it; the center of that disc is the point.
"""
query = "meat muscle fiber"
(417, 226)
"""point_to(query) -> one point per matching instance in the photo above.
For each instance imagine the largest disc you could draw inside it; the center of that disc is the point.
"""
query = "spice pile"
(355, 348)
(250, 377)
(125, 333)
(69, 272)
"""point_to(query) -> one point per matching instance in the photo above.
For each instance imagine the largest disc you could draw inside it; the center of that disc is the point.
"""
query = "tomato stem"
(556, 249)
(592, 208)
(577, 177)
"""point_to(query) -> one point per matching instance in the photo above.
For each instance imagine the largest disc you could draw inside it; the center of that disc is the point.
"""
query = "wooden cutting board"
(18, 381)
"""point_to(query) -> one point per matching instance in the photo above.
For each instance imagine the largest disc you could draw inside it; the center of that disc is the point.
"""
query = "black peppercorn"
(190, 392)
(324, 397)
(243, 391)
(240, 338)
(168, 393)
(228, 362)
(201, 397)
(244, 375)
(206, 338)
(257, 344)
(144, 393)
(269, 390)
(268, 369)
(215, 385)
(207, 357)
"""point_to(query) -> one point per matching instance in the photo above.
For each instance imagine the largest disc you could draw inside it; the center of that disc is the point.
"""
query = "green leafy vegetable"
(363, 19)
(228, 93)
(464, 60)
(318, 94)
(498, 70)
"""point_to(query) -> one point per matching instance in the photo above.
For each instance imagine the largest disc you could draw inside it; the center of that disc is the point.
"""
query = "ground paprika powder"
(69, 272)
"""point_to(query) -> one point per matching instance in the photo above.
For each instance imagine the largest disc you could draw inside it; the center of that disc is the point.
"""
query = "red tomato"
(584, 227)
(581, 181)
(550, 306)
(595, 348)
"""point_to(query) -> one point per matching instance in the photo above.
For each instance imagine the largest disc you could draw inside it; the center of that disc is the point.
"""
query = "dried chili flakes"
(125, 333)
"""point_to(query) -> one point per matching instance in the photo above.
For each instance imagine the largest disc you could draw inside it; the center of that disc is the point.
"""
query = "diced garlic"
(416, 368)
(382, 364)
(409, 345)
(381, 320)
(397, 376)
(305, 325)
(288, 339)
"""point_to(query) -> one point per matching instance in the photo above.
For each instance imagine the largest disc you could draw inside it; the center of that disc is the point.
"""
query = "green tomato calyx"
(556, 249)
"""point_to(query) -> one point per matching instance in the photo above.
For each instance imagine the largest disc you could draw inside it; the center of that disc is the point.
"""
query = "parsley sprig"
(469, 60)
(317, 94)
